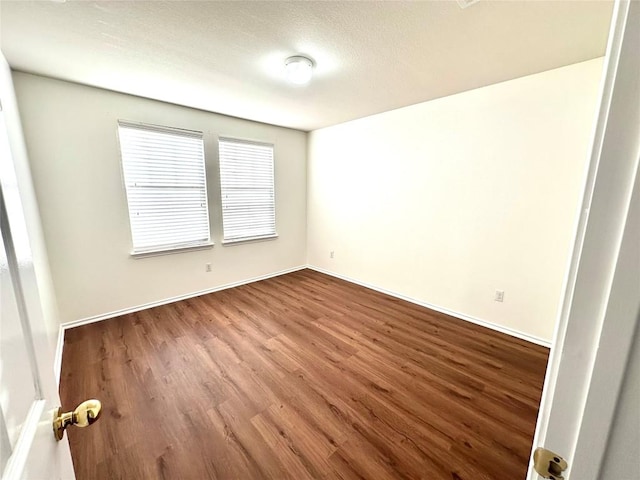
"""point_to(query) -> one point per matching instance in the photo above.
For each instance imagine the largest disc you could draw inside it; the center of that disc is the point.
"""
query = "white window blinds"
(246, 182)
(165, 181)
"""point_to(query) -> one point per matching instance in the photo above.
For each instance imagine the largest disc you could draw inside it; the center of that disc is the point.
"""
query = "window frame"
(171, 248)
(253, 238)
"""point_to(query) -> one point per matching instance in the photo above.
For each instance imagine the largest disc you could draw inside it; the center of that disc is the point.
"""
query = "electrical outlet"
(466, 3)
(499, 297)
(207, 267)
(331, 253)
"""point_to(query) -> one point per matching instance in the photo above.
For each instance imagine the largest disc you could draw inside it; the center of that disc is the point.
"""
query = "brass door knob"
(84, 415)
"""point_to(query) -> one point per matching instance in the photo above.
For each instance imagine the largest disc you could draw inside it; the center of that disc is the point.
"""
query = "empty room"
(320, 240)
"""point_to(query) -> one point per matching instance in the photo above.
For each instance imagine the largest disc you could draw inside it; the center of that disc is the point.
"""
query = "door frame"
(36, 453)
(591, 342)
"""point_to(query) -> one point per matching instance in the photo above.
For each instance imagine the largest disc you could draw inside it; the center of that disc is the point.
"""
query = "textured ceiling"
(228, 57)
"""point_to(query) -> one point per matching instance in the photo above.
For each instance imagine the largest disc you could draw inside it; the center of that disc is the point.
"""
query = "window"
(166, 187)
(246, 182)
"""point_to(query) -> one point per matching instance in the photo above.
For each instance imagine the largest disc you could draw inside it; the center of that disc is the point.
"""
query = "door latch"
(549, 464)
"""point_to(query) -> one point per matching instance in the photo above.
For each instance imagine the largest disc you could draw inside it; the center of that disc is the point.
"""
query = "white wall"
(449, 200)
(72, 141)
(29, 205)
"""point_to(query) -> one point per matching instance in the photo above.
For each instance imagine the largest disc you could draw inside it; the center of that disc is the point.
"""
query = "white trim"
(576, 415)
(446, 311)
(124, 311)
(14, 469)
(260, 143)
(105, 316)
(161, 128)
(98, 318)
(228, 243)
(170, 250)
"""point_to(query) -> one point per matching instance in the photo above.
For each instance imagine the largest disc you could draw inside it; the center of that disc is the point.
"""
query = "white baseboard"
(57, 365)
(124, 311)
(446, 311)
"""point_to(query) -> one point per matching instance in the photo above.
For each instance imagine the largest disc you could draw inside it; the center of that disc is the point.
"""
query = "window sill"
(249, 240)
(171, 250)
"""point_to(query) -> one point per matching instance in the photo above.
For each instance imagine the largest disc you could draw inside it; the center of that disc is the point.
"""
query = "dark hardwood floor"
(296, 377)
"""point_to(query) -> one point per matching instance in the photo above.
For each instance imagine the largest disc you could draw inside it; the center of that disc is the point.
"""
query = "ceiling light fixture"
(299, 69)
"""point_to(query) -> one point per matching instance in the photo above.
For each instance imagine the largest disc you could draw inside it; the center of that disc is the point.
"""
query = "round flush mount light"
(298, 69)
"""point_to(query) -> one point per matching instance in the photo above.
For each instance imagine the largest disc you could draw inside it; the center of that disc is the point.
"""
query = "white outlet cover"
(466, 3)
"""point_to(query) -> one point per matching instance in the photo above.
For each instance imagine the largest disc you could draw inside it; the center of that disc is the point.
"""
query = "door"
(602, 298)
(28, 392)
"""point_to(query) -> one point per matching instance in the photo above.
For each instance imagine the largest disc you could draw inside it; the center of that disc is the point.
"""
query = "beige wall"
(443, 202)
(447, 201)
(72, 142)
(30, 208)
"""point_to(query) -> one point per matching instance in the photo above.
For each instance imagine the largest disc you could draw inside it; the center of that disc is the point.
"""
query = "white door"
(28, 391)
(602, 299)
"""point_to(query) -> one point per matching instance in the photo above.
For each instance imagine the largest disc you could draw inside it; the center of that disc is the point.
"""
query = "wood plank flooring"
(301, 376)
